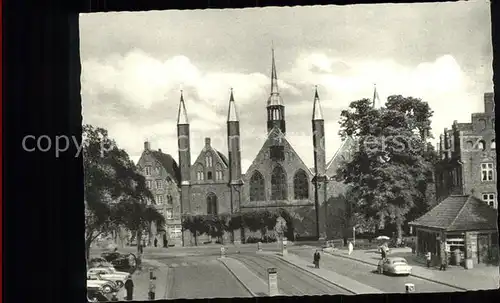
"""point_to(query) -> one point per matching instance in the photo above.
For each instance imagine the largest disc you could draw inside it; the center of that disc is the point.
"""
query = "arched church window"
(278, 184)
(199, 172)
(257, 187)
(301, 185)
(219, 175)
(208, 160)
(212, 204)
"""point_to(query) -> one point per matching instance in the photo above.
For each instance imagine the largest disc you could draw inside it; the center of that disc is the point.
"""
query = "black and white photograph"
(289, 151)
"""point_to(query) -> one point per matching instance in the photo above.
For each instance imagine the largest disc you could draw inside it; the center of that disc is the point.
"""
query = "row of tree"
(279, 222)
(390, 173)
(115, 192)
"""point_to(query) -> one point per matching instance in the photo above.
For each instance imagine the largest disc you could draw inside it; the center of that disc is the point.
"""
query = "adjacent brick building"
(163, 179)
(468, 157)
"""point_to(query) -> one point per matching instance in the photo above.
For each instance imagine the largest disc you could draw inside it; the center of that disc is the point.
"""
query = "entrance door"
(482, 248)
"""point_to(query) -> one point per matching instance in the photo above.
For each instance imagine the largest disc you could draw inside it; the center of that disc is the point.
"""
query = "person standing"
(350, 247)
(317, 257)
(444, 261)
(428, 258)
(156, 242)
(129, 287)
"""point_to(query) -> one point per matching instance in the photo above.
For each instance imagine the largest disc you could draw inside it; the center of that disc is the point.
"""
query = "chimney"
(207, 142)
(147, 146)
(489, 103)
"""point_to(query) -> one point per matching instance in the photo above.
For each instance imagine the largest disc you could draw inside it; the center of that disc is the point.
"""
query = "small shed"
(459, 223)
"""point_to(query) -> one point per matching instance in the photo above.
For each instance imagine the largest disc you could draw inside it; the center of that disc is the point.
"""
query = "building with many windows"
(162, 179)
(468, 157)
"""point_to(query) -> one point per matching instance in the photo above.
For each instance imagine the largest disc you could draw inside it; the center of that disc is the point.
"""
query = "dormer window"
(481, 145)
(493, 145)
(159, 184)
(147, 170)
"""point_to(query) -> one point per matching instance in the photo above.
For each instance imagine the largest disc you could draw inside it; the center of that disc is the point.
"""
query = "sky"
(134, 65)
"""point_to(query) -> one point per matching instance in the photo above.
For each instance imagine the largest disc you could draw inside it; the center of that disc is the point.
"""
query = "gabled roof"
(222, 158)
(346, 145)
(460, 213)
(168, 164)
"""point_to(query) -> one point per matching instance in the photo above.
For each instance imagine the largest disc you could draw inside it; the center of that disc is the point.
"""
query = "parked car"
(394, 265)
(110, 256)
(107, 274)
(96, 296)
(96, 282)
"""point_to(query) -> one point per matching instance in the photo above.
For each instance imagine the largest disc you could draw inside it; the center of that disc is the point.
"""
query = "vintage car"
(107, 274)
(94, 295)
(394, 266)
(123, 262)
(96, 282)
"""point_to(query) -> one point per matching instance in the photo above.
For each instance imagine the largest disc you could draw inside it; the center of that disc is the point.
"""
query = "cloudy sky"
(134, 65)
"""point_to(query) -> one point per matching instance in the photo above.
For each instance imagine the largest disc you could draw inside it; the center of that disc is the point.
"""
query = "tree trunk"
(139, 243)
(88, 242)
(399, 228)
(195, 238)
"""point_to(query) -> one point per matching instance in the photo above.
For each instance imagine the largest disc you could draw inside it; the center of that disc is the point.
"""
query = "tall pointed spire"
(274, 75)
(375, 96)
(182, 117)
(317, 111)
(232, 114)
(274, 98)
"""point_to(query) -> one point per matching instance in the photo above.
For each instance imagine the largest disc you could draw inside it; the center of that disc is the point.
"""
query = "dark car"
(96, 296)
(121, 262)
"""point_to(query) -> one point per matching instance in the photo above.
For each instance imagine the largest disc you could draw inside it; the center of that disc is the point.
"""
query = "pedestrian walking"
(350, 247)
(444, 261)
(383, 252)
(152, 288)
(156, 242)
(129, 287)
(428, 257)
(316, 259)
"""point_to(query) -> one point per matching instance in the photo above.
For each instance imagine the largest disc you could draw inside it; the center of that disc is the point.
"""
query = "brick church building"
(276, 178)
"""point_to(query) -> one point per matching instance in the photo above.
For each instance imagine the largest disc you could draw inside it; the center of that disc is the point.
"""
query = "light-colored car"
(94, 282)
(394, 265)
(108, 274)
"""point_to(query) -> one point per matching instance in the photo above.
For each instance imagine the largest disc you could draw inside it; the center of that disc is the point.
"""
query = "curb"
(295, 265)
(238, 279)
(414, 275)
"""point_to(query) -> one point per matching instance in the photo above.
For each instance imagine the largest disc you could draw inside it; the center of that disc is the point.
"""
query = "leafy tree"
(197, 225)
(217, 225)
(392, 166)
(115, 193)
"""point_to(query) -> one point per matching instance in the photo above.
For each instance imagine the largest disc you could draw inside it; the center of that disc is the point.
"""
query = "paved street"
(200, 277)
(366, 274)
(291, 280)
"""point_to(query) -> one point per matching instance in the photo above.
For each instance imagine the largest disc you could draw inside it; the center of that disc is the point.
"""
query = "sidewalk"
(346, 283)
(141, 280)
(253, 284)
(482, 278)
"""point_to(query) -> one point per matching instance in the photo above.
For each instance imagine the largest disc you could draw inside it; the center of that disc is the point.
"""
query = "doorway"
(483, 245)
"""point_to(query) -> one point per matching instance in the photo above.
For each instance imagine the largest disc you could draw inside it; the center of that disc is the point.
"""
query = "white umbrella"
(382, 238)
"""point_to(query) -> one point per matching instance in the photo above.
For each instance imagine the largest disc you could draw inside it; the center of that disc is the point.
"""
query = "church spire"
(274, 98)
(274, 75)
(232, 114)
(182, 117)
(375, 96)
(317, 111)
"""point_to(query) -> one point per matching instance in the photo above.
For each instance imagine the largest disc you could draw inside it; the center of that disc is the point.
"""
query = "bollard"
(222, 252)
(259, 246)
(409, 288)
(284, 249)
(272, 281)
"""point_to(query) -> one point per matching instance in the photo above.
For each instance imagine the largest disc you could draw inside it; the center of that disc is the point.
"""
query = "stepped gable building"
(468, 157)
(276, 178)
(163, 179)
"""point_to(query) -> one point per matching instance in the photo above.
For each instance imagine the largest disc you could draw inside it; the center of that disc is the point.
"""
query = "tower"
(320, 178)
(234, 152)
(184, 162)
(275, 105)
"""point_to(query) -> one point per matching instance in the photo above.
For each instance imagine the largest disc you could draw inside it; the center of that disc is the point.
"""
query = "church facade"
(277, 177)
